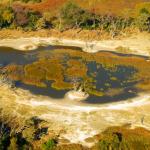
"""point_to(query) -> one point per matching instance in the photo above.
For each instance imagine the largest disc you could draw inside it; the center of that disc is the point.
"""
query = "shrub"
(6, 17)
(48, 18)
(25, 18)
(45, 21)
(49, 145)
(21, 18)
(71, 14)
(40, 24)
(74, 16)
(143, 20)
(142, 16)
(89, 20)
(33, 18)
(114, 24)
(111, 142)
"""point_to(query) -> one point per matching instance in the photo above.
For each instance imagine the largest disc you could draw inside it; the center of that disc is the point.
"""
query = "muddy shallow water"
(54, 70)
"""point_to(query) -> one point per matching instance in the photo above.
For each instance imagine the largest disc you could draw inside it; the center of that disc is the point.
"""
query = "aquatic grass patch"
(100, 74)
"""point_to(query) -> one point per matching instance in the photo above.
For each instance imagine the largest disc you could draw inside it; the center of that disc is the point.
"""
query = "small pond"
(54, 70)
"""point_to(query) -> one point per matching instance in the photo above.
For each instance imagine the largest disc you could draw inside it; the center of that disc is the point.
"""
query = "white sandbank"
(135, 45)
(76, 95)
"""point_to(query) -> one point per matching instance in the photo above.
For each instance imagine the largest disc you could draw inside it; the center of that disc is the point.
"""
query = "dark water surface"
(102, 77)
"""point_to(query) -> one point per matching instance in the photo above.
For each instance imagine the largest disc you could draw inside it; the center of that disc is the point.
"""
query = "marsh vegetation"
(104, 76)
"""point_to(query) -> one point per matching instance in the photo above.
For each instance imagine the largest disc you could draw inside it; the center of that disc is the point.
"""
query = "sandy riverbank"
(138, 44)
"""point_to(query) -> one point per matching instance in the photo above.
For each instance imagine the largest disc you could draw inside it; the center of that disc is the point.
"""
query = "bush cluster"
(32, 131)
(69, 16)
(6, 17)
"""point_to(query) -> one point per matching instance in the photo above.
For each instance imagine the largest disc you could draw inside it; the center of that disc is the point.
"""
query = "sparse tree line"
(70, 16)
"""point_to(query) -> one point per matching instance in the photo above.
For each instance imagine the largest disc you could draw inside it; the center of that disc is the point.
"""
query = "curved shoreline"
(127, 46)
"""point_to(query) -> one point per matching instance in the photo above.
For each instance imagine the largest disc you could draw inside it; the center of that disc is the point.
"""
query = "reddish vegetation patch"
(47, 5)
(114, 7)
(99, 6)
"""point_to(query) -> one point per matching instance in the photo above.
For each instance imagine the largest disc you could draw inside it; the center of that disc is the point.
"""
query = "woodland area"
(71, 15)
